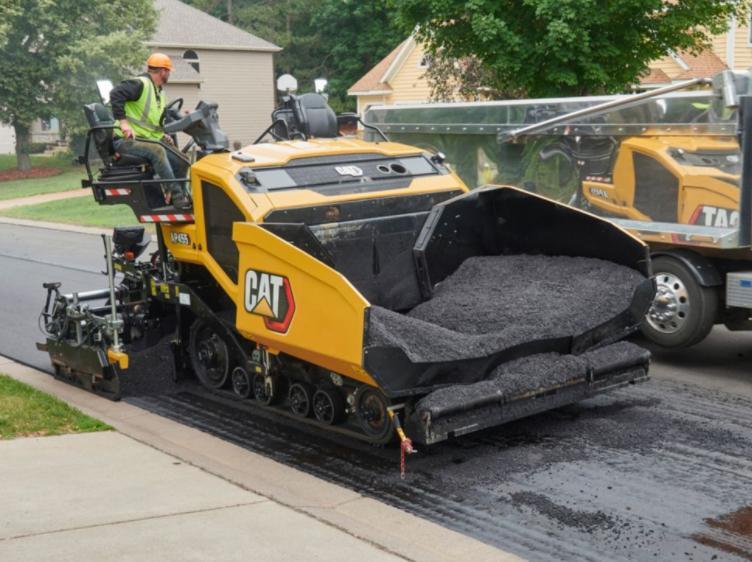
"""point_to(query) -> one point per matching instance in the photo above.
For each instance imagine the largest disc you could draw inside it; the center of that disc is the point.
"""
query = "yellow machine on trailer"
(305, 277)
(666, 165)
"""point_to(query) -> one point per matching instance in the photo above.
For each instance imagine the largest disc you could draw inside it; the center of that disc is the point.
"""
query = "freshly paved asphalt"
(659, 471)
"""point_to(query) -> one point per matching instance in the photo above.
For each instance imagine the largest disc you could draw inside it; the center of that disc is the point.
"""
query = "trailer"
(667, 165)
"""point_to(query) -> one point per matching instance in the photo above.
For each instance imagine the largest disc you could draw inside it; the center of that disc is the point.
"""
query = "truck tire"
(683, 311)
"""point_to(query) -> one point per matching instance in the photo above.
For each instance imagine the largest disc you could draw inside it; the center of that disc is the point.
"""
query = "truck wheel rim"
(670, 308)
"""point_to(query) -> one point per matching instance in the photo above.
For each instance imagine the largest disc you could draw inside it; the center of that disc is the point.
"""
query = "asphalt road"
(660, 471)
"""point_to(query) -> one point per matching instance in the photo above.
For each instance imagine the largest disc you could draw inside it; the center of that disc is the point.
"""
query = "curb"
(362, 517)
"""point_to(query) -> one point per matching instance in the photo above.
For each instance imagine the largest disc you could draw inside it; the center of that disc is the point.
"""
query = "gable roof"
(702, 65)
(181, 25)
(655, 76)
(371, 81)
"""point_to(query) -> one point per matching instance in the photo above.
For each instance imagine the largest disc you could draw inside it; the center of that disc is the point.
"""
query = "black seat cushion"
(121, 159)
(98, 115)
(316, 117)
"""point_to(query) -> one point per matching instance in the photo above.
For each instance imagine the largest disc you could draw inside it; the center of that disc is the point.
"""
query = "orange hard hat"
(159, 60)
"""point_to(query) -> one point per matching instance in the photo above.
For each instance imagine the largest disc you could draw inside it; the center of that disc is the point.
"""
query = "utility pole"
(229, 11)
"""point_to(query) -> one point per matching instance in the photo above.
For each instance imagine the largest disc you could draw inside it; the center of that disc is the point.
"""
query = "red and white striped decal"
(117, 191)
(166, 218)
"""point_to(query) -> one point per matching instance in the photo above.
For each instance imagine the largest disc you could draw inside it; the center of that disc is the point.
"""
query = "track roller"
(300, 397)
(266, 389)
(372, 413)
(328, 406)
(241, 382)
(209, 354)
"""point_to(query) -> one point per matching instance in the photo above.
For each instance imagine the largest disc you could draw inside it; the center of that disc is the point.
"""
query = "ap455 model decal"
(270, 296)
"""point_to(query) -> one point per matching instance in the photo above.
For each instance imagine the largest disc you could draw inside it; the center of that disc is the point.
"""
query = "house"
(213, 61)
(732, 49)
(218, 62)
(7, 140)
(400, 76)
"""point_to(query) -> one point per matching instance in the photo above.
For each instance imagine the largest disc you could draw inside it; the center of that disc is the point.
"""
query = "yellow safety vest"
(145, 113)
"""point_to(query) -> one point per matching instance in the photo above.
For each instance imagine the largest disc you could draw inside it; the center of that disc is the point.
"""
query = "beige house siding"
(409, 83)
(7, 139)
(243, 85)
(668, 65)
(738, 44)
(742, 48)
(718, 45)
(365, 101)
(191, 94)
(241, 82)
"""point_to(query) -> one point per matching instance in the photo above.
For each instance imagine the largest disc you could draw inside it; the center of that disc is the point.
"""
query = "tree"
(354, 36)
(339, 40)
(52, 52)
(541, 48)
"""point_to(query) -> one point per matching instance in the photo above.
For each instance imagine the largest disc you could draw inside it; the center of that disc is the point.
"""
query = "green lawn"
(27, 412)
(8, 161)
(77, 210)
(69, 179)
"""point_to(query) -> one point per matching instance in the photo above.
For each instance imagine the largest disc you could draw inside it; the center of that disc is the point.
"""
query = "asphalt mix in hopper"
(491, 303)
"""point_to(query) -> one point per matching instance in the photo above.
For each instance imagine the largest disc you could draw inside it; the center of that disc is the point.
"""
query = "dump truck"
(666, 164)
(355, 285)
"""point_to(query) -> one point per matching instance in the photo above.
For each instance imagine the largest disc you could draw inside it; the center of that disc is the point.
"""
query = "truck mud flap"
(428, 428)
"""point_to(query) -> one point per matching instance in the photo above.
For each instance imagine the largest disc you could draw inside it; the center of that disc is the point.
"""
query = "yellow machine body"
(326, 325)
(681, 179)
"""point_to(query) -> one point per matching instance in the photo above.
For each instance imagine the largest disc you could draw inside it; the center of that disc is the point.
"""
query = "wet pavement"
(650, 472)
(659, 471)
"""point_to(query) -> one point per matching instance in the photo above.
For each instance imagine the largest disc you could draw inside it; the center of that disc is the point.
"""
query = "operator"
(138, 105)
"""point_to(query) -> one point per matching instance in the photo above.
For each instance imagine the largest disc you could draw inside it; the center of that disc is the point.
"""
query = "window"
(219, 214)
(425, 61)
(191, 57)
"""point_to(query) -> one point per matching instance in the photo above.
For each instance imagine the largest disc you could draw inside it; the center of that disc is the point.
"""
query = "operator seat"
(118, 167)
(315, 117)
(102, 123)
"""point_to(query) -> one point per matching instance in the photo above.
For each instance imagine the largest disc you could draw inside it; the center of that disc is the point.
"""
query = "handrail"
(600, 108)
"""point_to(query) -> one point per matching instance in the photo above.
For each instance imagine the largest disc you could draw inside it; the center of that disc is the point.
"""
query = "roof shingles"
(183, 25)
(655, 76)
(702, 65)
(370, 82)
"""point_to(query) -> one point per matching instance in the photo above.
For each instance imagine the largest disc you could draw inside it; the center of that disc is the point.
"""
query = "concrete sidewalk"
(106, 497)
(43, 198)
